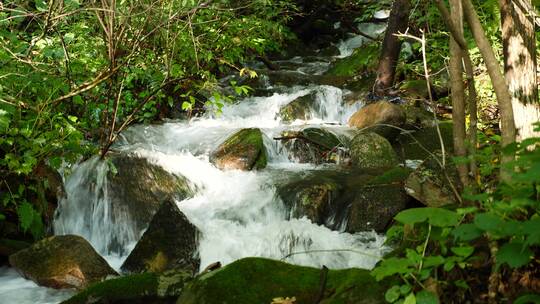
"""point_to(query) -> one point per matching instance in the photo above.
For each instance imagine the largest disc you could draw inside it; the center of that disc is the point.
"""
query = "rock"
(418, 144)
(417, 117)
(169, 242)
(375, 206)
(347, 200)
(258, 280)
(300, 108)
(429, 185)
(382, 112)
(143, 288)
(139, 186)
(370, 150)
(244, 150)
(66, 261)
(314, 145)
(314, 196)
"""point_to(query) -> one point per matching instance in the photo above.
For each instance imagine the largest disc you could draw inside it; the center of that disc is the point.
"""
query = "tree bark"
(458, 91)
(459, 38)
(397, 23)
(508, 129)
(519, 49)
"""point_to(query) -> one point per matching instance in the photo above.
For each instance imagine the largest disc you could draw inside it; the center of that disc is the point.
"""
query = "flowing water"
(238, 213)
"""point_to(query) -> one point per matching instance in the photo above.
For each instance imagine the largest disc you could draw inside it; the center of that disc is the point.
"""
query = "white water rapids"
(238, 213)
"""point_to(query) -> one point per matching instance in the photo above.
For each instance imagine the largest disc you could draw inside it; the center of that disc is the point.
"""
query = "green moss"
(363, 59)
(370, 150)
(131, 287)
(257, 280)
(297, 109)
(245, 146)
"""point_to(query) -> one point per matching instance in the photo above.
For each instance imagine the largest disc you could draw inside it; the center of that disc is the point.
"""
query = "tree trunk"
(508, 129)
(519, 48)
(458, 91)
(397, 23)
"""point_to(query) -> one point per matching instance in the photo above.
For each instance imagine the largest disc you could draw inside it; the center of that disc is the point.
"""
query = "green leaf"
(515, 254)
(528, 299)
(410, 299)
(2, 217)
(464, 251)
(392, 294)
(5, 119)
(435, 216)
(26, 213)
(433, 261)
(426, 297)
(489, 222)
(392, 266)
(467, 232)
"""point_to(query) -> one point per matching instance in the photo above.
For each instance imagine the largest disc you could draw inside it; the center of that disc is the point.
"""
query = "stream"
(238, 213)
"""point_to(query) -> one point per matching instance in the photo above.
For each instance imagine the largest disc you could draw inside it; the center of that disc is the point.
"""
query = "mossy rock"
(375, 206)
(143, 288)
(430, 185)
(300, 108)
(64, 261)
(244, 150)
(359, 200)
(418, 145)
(314, 145)
(417, 117)
(258, 280)
(370, 150)
(170, 242)
(363, 59)
(139, 187)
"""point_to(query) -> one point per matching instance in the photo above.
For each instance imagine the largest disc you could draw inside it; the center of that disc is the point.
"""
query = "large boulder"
(431, 185)
(140, 288)
(66, 261)
(257, 280)
(300, 108)
(370, 150)
(419, 144)
(347, 200)
(379, 117)
(375, 206)
(139, 186)
(170, 242)
(244, 150)
(110, 202)
(314, 145)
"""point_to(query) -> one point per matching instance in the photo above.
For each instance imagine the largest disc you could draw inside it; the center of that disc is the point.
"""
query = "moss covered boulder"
(314, 145)
(139, 187)
(170, 242)
(300, 108)
(420, 143)
(370, 150)
(431, 185)
(351, 200)
(376, 115)
(144, 288)
(257, 280)
(375, 206)
(244, 150)
(66, 261)
(315, 196)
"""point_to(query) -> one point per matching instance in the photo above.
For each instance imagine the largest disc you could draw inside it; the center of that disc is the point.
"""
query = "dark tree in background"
(397, 23)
